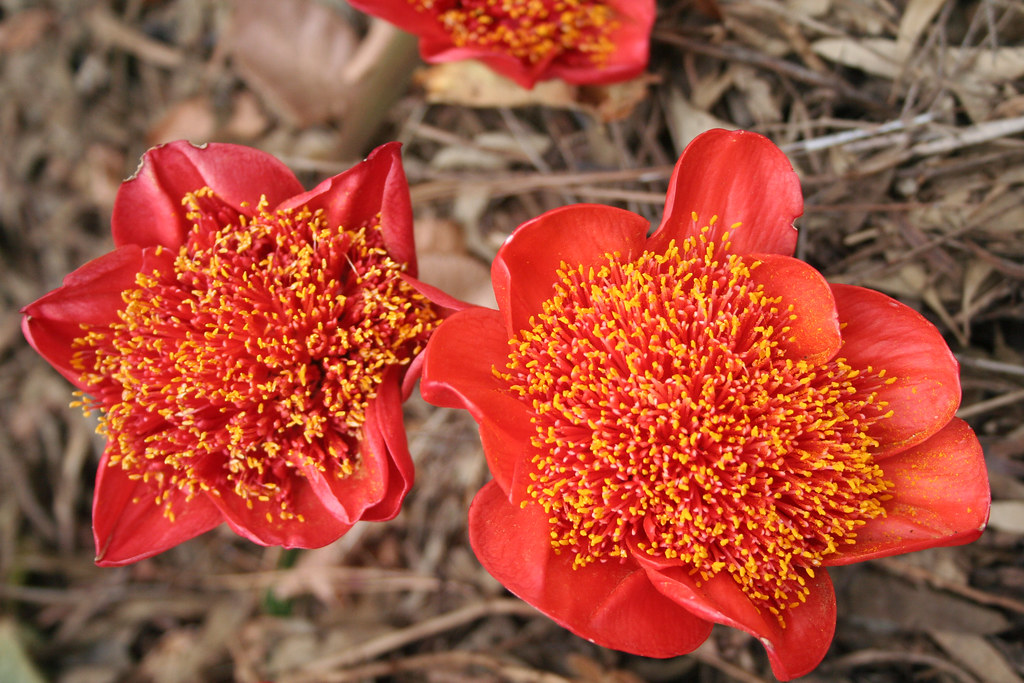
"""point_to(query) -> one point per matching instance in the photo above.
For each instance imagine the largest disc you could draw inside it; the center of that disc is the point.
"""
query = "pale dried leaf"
(810, 8)
(909, 281)
(916, 18)
(1007, 516)
(292, 53)
(438, 236)
(471, 84)
(464, 157)
(877, 56)
(888, 58)
(993, 66)
(758, 96)
(685, 121)
(460, 275)
(522, 146)
(977, 655)
(975, 275)
(616, 101)
(894, 602)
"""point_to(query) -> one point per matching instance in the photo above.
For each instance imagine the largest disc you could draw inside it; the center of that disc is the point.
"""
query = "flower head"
(246, 345)
(578, 41)
(689, 427)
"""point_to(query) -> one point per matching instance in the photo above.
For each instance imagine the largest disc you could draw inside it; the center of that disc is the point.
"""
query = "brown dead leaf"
(292, 53)
(192, 119)
(445, 263)
(102, 173)
(23, 30)
(438, 236)
(460, 275)
(248, 120)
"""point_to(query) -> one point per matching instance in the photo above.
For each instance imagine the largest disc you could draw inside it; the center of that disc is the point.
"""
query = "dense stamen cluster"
(671, 422)
(252, 355)
(532, 30)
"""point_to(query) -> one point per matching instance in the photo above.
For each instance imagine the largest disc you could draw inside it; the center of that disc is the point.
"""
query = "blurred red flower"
(578, 41)
(686, 428)
(248, 346)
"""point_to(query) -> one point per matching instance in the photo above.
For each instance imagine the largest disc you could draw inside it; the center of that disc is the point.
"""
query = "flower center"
(532, 30)
(669, 420)
(252, 354)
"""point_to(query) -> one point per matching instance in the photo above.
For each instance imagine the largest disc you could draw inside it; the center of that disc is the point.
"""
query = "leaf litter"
(903, 118)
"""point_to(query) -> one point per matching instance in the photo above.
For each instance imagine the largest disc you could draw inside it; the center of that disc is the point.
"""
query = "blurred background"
(904, 119)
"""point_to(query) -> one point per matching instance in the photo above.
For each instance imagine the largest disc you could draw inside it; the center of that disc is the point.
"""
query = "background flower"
(687, 428)
(246, 344)
(579, 41)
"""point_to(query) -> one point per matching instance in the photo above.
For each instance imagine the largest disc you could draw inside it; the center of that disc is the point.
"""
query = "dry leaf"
(915, 607)
(444, 262)
(1007, 516)
(471, 84)
(292, 53)
(685, 121)
(102, 173)
(438, 236)
(888, 58)
(247, 119)
(977, 655)
(192, 119)
(460, 275)
(877, 56)
(24, 30)
(916, 18)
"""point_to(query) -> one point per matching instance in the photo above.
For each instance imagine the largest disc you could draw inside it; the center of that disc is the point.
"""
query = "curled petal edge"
(611, 604)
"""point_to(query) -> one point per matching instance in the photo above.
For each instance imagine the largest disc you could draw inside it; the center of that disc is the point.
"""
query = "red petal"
(439, 49)
(525, 268)
(940, 497)
(458, 373)
(740, 177)
(882, 333)
(384, 416)
(406, 16)
(814, 334)
(148, 209)
(128, 525)
(314, 523)
(331, 505)
(374, 191)
(631, 41)
(632, 48)
(90, 295)
(793, 650)
(611, 603)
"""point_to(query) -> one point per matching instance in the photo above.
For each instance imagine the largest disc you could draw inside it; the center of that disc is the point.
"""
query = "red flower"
(686, 428)
(246, 344)
(578, 41)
